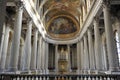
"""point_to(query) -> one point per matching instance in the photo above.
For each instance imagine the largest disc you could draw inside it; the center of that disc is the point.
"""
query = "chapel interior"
(59, 39)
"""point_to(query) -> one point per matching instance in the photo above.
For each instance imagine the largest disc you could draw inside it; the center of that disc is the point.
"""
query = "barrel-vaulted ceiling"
(61, 18)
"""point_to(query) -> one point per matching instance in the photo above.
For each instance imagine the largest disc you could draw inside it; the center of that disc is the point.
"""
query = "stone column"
(82, 55)
(34, 52)
(78, 57)
(72, 58)
(97, 44)
(46, 58)
(69, 59)
(111, 45)
(39, 54)
(86, 55)
(8, 54)
(16, 37)
(27, 47)
(2, 40)
(4, 49)
(56, 58)
(104, 55)
(118, 29)
(21, 58)
(43, 56)
(2, 16)
(91, 50)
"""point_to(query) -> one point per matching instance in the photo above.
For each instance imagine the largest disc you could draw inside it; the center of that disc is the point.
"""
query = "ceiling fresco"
(62, 26)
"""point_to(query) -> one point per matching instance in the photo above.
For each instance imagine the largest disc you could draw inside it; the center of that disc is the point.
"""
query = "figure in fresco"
(62, 25)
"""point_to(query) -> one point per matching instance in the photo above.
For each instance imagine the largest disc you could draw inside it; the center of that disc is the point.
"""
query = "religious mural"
(62, 25)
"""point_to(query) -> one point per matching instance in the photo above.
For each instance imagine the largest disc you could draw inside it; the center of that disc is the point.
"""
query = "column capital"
(85, 34)
(89, 31)
(106, 3)
(39, 35)
(118, 18)
(35, 29)
(81, 39)
(29, 21)
(89, 28)
(19, 4)
(96, 19)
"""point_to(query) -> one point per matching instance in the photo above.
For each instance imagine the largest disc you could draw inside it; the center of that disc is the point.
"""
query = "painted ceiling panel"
(58, 26)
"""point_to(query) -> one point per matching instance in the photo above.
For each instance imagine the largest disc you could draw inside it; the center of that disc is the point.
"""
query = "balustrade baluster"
(34, 77)
(81, 77)
(118, 77)
(77, 77)
(112, 78)
(15, 77)
(18, 77)
(23, 77)
(30, 77)
(42, 78)
(12, 78)
(108, 78)
(66, 78)
(92, 78)
(98, 77)
(48, 78)
(104, 77)
(84, 78)
(38, 77)
(0, 77)
(89, 78)
(45, 77)
(60, 78)
(55, 78)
